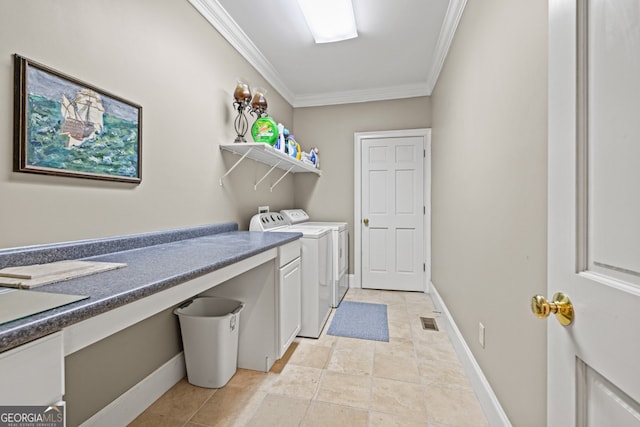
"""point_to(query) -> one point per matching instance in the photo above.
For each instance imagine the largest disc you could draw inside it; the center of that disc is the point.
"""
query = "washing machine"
(316, 269)
(339, 250)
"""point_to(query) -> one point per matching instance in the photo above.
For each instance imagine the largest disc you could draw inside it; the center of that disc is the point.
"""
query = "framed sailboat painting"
(65, 127)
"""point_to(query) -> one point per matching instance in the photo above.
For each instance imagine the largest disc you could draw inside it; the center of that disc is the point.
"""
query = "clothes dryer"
(339, 250)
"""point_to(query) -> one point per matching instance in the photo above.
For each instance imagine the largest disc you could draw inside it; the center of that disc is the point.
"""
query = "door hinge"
(424, 210)
(424, 153)
(424, 266)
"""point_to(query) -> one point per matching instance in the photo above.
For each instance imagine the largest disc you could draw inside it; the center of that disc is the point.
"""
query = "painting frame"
(66, 127)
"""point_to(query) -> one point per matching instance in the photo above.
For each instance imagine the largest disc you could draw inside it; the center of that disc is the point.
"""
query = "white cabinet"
(33, 374)
(289, 301)
(289, 295)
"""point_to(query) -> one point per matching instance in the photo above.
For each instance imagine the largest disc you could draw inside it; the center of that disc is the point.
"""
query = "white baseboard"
(352, 282)
(488, 400)
(134, 401)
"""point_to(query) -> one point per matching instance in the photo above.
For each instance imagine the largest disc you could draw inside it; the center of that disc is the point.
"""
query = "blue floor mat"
(360, 320)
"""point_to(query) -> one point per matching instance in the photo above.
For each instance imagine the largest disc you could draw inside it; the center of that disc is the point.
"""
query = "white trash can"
(209, 327)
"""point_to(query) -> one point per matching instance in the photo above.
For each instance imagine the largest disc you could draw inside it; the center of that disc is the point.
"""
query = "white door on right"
(594, 212)
(393, 212)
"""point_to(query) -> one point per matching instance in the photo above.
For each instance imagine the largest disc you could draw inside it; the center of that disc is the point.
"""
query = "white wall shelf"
(266, 154)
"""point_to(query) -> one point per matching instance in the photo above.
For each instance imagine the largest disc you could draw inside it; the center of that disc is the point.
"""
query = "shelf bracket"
(255, 187)
(235, 164)
(281, 178)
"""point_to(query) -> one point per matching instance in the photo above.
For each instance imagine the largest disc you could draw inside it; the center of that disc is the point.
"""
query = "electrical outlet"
(263, 209)
(481, 334)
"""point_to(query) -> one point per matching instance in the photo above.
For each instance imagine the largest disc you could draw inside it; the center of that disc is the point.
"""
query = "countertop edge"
(22, 331)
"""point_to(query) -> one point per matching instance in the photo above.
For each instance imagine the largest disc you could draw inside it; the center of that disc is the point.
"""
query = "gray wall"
(331, 128)
(98, 374)
(489, 194)
(165, 57)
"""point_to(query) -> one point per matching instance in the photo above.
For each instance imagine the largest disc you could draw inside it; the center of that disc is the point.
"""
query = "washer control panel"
(267, 221)
(295, 216)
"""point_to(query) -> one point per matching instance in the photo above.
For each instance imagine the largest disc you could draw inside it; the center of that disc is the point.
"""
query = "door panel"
(594, 211)
(601, 403)
(377, 192)
(378, 257)
(404, 255)
(405, 193)
(613, 128)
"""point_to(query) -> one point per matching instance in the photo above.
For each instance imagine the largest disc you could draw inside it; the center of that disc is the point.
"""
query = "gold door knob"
(366, 221)
(560, 306)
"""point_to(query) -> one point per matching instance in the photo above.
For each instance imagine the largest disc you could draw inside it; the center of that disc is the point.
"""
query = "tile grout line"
(199, 408)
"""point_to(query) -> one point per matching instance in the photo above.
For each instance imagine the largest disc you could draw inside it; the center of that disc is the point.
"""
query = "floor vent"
(429, 323)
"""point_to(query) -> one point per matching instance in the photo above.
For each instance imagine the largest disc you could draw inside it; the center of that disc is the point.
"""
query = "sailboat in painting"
(83, 116)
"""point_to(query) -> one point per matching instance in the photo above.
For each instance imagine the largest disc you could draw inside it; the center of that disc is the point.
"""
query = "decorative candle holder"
(242, 98)
(259, 103)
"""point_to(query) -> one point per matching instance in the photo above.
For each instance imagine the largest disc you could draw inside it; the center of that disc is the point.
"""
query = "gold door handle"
(560, 306)
(366, 221)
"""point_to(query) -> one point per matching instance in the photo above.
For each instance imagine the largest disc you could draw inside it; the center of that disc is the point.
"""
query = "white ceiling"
(399, 51)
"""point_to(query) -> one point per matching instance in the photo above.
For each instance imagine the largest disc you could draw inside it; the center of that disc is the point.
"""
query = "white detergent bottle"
(281, 140)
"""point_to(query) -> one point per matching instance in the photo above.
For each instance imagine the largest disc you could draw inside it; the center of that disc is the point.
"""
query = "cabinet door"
(33, 374)
(289, 304)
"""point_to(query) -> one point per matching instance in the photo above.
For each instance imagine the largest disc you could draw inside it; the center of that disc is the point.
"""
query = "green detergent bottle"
(265, 130)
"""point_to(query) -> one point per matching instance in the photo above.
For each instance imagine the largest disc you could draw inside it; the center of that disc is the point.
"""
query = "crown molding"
(217, 16)
(364, 95)
(448, 30)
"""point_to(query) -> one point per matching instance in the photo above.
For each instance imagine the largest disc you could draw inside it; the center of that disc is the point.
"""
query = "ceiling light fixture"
(329, 20)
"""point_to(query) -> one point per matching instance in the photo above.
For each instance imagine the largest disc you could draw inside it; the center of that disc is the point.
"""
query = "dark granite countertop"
(155, 262)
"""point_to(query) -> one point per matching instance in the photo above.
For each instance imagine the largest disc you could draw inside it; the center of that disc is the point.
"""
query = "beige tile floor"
(413, 380)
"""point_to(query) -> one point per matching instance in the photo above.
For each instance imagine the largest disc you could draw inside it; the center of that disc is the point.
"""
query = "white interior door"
(392, 211)
(594, 211)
